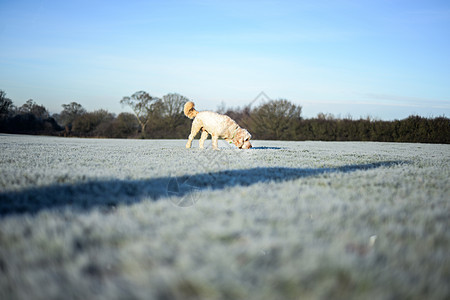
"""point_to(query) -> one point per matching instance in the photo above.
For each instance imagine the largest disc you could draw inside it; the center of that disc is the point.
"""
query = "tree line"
(163, 118)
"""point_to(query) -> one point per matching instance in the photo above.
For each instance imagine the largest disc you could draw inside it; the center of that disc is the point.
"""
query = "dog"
(219, 126)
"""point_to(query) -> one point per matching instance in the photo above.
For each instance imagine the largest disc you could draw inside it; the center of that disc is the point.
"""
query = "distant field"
(149, 219)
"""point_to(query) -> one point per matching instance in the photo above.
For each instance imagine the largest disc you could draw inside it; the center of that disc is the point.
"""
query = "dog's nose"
(247, 146)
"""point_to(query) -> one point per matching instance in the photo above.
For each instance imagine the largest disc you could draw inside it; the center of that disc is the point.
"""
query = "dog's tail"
(189, 110)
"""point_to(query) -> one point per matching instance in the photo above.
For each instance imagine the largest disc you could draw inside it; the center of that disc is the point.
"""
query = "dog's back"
(214, 122)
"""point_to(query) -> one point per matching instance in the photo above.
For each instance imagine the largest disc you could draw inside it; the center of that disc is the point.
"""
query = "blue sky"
(386, 59)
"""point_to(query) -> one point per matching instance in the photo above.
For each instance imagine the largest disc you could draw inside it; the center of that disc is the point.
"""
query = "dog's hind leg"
(203, 138)
(196, 126)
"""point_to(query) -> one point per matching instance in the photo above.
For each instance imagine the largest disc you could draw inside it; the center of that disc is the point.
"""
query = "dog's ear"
(246, 136)
(239, 138)
(249, 136)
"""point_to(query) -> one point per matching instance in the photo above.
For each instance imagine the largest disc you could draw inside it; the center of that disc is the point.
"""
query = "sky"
(386, 59)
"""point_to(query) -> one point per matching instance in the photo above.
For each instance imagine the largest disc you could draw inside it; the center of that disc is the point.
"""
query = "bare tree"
(70, 112)
(31, 107)
(6, 105)
(172, 109)
(222, 108)
(144, 107)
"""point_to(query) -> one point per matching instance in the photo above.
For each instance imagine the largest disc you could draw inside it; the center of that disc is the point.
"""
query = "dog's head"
(242, 139)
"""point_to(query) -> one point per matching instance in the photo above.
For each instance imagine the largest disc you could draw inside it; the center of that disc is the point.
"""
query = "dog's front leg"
(215, 140)
(188, 144)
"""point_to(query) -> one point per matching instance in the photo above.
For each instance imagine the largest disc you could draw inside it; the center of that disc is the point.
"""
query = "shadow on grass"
(106, 194)
(267, 148)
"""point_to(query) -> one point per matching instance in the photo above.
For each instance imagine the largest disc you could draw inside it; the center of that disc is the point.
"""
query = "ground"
(149, 219)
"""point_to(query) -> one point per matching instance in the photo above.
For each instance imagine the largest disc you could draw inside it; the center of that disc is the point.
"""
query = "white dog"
(219, 126)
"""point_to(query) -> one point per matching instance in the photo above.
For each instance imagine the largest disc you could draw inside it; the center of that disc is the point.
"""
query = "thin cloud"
(377, 103)
(407, 101)
(429, 15)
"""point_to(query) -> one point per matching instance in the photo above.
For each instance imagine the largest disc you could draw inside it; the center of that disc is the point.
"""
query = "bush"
(276, 119)
(86, 124)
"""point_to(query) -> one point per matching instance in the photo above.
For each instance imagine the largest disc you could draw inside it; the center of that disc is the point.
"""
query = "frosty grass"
(149, 219)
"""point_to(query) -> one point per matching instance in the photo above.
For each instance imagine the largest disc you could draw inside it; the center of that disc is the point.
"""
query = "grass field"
(149, 219)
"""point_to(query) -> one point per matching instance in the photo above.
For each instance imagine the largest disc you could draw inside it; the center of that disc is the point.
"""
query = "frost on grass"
(104, 219)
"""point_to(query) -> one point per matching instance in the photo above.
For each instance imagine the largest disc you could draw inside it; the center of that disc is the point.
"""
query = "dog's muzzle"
(246, 145)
